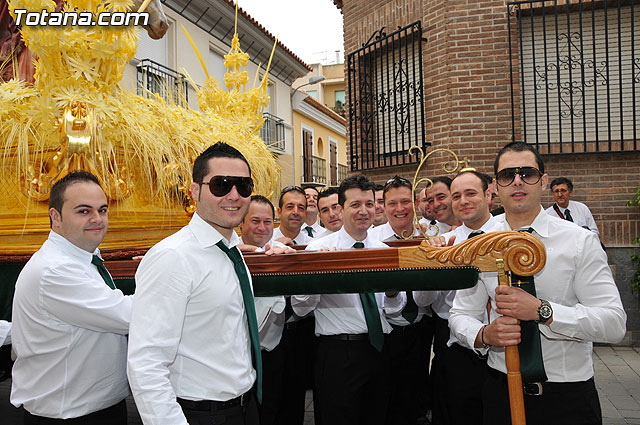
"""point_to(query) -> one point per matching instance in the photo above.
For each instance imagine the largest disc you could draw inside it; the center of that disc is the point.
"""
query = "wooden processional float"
(410, 267)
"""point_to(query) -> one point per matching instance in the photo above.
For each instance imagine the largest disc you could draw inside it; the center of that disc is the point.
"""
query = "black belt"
(467, 352)
(539, 388)
(401, 328)
(346, 337)
(295, 324)
(213, 405)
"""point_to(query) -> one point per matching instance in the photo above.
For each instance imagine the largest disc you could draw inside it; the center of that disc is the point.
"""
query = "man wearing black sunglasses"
(554, 318)
(194, 350)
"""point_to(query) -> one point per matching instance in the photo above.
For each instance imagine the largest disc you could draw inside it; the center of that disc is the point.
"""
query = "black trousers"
(405, 356)
(424, 396)
(465, 373)
(273, 367)
(246, 414)
(114, 415)
(351, 382)
(287, 373)
(438, 375)
(574, 403)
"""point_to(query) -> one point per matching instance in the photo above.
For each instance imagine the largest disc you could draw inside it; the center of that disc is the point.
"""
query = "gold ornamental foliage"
(143, 143)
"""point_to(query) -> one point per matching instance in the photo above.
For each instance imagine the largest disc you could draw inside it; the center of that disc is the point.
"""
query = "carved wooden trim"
(522, 252)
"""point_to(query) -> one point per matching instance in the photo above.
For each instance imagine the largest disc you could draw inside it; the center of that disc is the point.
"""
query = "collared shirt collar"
(69, 248)
(348, 239)
(486, 227)
(540, 224)
(207, 235)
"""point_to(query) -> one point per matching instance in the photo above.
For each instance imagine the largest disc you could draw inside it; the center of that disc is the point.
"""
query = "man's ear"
(195, 191)
(545, 181)
(55, 217)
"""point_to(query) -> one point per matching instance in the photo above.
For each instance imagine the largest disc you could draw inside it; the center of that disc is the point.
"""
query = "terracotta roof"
(325, 110)
(271, 36)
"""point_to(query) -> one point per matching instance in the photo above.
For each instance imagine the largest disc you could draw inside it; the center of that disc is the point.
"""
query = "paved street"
(617, 379)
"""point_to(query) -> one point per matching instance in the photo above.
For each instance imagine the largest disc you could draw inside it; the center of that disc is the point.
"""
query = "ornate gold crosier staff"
(450, 167)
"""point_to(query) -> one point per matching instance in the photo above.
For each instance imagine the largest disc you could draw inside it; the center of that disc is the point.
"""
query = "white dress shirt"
(385, 233)
(301, 239)
(68, 333)
(342, 313)
(5, 332)
(189, 334)
(578, 284)
(270, 313)
(580, 214)
(444, 299)
(325, 232)
(316, 228)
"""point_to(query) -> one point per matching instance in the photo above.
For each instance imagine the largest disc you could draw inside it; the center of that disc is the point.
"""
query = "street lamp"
(312, 80)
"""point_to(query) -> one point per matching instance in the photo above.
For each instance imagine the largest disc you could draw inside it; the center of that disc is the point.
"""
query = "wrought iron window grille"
(385, 99)
(575, 75)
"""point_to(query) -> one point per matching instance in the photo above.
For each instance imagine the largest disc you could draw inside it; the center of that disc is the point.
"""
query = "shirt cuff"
(565, 320)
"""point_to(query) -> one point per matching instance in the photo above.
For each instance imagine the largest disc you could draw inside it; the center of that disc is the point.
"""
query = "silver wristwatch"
(544, 312)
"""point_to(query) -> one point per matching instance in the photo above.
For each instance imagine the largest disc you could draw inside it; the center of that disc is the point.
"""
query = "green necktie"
(371, 315)
(530, 347)
(249, 308)
(410, 311)
(567, 215)
(309, 230)
(103, 271)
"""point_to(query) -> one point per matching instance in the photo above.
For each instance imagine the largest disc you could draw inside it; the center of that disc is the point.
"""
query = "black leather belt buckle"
(243, 399)
(533, 388)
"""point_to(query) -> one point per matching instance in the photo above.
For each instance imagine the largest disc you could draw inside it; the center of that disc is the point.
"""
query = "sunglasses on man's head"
(401, 181)
(529, 175)
(292, 188)
(221, 185)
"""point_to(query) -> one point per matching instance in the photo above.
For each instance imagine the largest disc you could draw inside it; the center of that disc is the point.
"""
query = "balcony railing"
(342, 172)
(315, 170)
(272, 132)
(154, 78)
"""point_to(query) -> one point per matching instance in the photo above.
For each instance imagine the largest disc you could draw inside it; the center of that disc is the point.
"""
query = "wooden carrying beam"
(420, 267)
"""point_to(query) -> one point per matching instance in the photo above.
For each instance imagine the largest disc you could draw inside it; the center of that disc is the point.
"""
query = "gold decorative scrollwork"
(522, 252)
(449, 167)
(77, 152)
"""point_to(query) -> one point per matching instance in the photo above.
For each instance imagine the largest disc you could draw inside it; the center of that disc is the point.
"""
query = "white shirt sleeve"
(304, 304)
(598, 316)
(5, 332)
(266, 307)
(468, 312)
(162, 292)
(70, 295)
(393, 306)
(591, 223)
(425, 298)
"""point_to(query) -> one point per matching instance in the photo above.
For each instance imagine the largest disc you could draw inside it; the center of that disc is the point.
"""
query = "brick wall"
(468, 102)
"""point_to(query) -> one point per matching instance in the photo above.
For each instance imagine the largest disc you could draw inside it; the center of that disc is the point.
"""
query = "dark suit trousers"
(351, 380)
(273, 366)
(438, 376)
(574, 403)
(287, 372)
(465, 373)
(405, 352)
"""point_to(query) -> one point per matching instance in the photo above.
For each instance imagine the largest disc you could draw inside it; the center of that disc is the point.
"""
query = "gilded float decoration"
(76, 116)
